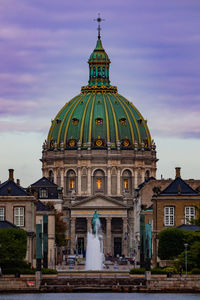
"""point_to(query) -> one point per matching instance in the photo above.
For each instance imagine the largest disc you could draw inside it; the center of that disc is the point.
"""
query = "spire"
(99, 62)
(99, 20)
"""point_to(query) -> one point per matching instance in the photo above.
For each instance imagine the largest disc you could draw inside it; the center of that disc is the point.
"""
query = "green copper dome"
(99, 117)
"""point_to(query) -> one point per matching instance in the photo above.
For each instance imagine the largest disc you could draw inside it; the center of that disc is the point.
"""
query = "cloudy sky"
(154, 47)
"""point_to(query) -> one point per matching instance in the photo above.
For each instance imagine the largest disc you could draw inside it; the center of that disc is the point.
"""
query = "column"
(108, 235)
(73, 235)
(89, 181)
(124, 238)
(135, 179)
(109, 182)
(118, 182)
(143, 175)
(79, 181)
(62, 178)
(55, 176)
(89, 225)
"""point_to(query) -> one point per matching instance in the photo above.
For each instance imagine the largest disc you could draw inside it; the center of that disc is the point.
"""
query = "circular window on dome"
(126, 143)
(122, 121)
(75, 121)
(72, 143)
(99, 121)
(99, 143)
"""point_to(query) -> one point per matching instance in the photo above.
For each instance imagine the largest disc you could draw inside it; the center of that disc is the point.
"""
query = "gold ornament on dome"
(99, 143)
(72, 143)
(126, 143)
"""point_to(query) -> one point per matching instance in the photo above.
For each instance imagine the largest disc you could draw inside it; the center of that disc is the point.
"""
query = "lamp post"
(186, 245)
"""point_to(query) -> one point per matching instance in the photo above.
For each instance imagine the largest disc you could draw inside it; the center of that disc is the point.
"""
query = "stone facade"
(174, 206)
(103, 180)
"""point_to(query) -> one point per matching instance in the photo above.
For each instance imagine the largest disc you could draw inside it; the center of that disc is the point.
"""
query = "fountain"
(94, 251)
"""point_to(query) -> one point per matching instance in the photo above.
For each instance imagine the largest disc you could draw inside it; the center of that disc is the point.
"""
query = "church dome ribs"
(99, 117)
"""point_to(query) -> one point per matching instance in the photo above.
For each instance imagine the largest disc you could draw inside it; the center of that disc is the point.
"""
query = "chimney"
(18, 181)
(178, 172)
(11, 174)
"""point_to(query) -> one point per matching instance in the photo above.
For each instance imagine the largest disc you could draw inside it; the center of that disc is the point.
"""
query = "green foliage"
(20, 267)
(195, 271)
(197, 220)
(171, 243)
(193, 257)
(60, 229)
(171, 270)
(13, 243)
(49, 271)
(137, 271)
(158, 271)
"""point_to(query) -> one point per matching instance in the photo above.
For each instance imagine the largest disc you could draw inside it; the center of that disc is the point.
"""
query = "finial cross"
(99, 20)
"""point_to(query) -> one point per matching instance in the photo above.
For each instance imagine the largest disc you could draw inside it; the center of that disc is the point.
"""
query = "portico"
(113, 217)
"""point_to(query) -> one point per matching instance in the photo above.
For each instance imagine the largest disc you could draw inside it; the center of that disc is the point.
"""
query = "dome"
(99, 117)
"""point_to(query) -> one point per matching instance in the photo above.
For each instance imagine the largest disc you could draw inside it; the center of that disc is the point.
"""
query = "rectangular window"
(71, 184)
(169, 216)
(2, 214)
(126, 184)
(19, 216)
(99, 183)
(189, 214)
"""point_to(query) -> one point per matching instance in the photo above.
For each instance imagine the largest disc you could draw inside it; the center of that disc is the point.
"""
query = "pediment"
(99, 202)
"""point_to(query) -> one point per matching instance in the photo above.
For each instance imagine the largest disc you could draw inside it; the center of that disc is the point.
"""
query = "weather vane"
(99, 20)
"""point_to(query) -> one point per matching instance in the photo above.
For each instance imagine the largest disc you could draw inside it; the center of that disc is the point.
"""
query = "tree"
(13, 243)
(171, 243)
(193, 257)
(60, 229)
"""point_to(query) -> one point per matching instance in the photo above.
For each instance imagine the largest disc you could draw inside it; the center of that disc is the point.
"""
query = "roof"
(10, 188)
(98, 117)
(43, 182)
(140, 186)
(178, 187)
(41, 207)
(189, 227)
(6, 224)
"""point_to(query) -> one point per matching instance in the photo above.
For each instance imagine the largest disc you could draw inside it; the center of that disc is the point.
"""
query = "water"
(100, 296)
(94, 251)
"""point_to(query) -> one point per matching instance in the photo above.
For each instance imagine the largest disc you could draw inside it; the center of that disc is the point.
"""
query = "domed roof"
(99, 117)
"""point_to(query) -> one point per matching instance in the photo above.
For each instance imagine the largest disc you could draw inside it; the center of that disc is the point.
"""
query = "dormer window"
(99, 121)
(43, 193)
(75, 121)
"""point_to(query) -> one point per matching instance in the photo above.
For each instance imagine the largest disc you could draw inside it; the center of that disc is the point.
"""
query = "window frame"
(19, 224)
(41, 195)
(189, 216)
(169, 217)
(2, 215)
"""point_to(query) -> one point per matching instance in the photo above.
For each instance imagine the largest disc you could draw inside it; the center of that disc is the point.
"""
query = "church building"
(99, 149)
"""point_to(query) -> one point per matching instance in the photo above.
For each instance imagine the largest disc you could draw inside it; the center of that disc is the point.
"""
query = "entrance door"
(117, 246)
(80, 245)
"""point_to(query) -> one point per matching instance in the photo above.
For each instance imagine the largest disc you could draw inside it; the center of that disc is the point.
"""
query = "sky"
(154, 47)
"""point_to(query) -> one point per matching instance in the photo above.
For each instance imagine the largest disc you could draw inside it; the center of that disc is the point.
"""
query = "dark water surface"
(100, 296)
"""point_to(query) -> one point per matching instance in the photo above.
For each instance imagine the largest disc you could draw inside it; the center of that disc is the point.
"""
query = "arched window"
(126, 181)
(94, 72)
(99, 72)
(51, 176)
(71, 181)
(99, 181)
(147, 175)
